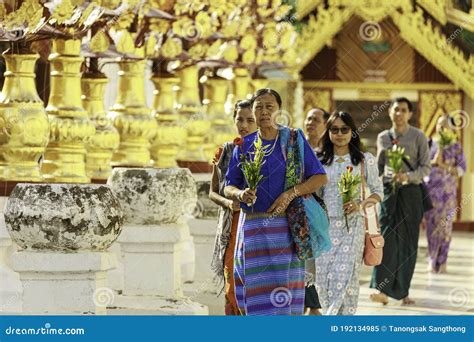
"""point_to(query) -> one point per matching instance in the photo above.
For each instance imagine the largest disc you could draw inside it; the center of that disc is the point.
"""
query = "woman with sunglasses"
(337, 271)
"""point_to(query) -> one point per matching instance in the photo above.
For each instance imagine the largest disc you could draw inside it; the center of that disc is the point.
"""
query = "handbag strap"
(363, 185)
(362, 176)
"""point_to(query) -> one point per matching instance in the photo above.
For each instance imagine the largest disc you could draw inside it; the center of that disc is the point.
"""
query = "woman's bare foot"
(443, 268)
(408, 301)
(379, 298)
(430, 268)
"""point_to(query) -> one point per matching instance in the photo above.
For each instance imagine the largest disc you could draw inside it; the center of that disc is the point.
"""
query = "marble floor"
(435, 294)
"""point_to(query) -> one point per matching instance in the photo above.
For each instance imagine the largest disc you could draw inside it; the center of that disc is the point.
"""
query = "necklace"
(270, 151)
(340, 159)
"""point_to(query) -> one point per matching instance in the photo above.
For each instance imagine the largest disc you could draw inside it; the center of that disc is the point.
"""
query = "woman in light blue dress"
(337, 270)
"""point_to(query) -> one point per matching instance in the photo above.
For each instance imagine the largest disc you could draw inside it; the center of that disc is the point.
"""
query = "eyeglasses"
(343, 130)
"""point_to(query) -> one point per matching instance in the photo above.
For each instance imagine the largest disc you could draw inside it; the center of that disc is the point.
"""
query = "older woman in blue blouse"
(269, 277)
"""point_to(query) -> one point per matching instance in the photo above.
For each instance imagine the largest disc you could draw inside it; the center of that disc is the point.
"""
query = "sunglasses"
(343, 130)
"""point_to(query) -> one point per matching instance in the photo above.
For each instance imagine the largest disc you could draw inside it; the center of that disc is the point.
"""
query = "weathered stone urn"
(156, 204)
(154, 196)
(63, 217)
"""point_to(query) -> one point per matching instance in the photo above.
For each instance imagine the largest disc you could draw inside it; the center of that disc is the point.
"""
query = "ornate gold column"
(106, 139)
(24, 126)
(131, 116)
(259, 83)
(171, 134)
(64, 158)
(295, 100)
(432, 104)
(242, 86)
(316, 97)
(215, 93)
(192, 116)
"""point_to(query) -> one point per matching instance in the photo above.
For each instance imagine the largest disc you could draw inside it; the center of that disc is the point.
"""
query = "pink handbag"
(373, 250)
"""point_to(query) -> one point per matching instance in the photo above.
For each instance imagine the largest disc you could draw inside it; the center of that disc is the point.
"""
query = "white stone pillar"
(204, 233)
(188, 257)
(63, 231)
(187, 249)
(154, 203)
(65, 283)
(203, 229)
(115, 276)
(10, 285)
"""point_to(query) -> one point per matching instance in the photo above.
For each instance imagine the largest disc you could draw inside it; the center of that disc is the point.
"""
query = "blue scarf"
(307, 219)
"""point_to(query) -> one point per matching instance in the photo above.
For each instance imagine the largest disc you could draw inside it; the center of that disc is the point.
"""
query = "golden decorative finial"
(64, 159)
(131, 116)
(24, 127)
(99, 42)
(105, 141)
(171, 134)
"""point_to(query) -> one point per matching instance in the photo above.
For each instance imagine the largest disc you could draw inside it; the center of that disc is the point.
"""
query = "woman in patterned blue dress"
(337, 271)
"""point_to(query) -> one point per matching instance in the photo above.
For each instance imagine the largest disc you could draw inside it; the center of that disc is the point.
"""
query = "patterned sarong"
(269, 277)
